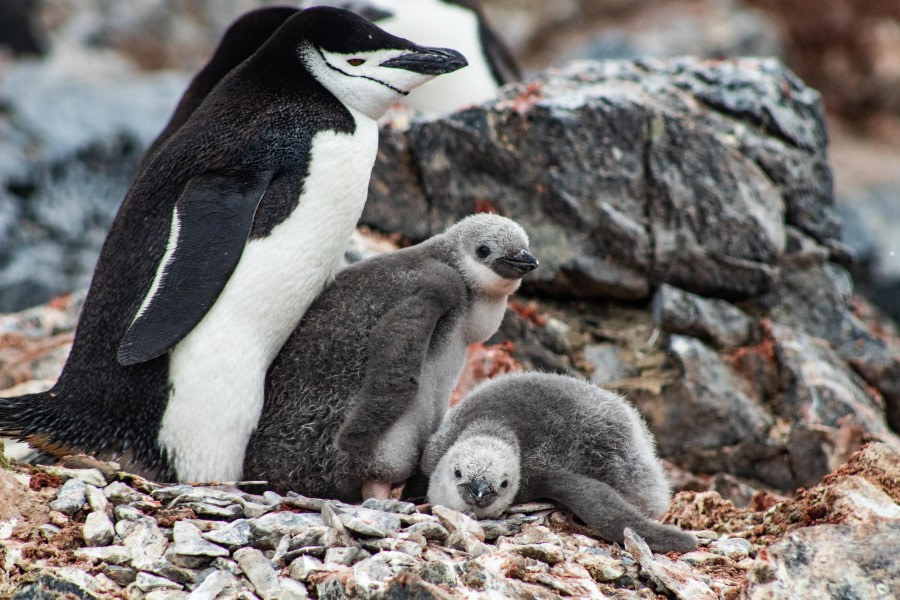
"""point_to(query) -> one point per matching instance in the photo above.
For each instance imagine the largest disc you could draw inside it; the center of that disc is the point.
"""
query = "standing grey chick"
(366, 377)
(526, 436)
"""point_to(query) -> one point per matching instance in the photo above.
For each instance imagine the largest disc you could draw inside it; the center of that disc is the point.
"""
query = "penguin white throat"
(359, 79)
(479, 475)
(217, 372)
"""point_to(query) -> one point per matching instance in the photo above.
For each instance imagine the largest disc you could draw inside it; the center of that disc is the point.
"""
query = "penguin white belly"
(217, 372)
(399, 449)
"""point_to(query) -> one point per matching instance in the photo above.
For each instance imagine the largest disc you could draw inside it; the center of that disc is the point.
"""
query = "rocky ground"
(93, 531)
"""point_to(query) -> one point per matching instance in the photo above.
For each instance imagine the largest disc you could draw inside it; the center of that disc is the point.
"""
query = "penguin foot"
(397, 490)
(380, 490)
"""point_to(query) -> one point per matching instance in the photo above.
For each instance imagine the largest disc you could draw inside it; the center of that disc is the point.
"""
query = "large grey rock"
(831, 561)
(707, 407)
(627, 174)
(816, 299)
(716, 321)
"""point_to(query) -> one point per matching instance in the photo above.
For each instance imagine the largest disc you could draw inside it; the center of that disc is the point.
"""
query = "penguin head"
(362, 65)
(478, 475)
(492, 253)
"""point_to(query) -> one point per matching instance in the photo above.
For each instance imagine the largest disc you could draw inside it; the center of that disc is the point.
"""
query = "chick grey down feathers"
(527, 436)
(366, 377)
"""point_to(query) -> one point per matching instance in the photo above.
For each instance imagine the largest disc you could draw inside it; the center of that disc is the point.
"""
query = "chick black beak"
(477, 493)
(429, 61)
(515, 266)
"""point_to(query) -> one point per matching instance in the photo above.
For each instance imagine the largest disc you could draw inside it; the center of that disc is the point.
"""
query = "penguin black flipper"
(398, 346)
(604, 510)
(210, 226)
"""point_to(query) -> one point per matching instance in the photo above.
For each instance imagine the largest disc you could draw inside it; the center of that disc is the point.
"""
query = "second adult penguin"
(227, 234)
(528, 436)
(367, 375)
(461, 24)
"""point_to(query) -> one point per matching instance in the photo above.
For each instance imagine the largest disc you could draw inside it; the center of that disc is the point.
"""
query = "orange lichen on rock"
(708, 510)
(482, 363)
(530, 312)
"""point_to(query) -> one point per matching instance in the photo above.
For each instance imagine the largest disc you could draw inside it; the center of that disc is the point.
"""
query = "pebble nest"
(104, 533)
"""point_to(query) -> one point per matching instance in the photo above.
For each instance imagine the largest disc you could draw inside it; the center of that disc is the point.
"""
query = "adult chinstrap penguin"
(367, 375)
(228, 233)
(461, 24)
(528, 436)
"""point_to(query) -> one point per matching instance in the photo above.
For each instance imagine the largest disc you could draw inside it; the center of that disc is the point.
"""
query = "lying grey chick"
(366, 377)
(527, 436)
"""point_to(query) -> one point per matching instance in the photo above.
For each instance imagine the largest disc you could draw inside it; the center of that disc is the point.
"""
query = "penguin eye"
(355, 62)
(457, 473)
(482, 251)
(504, 484)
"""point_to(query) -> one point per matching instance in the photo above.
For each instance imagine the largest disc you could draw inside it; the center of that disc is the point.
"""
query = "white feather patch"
(171, 246)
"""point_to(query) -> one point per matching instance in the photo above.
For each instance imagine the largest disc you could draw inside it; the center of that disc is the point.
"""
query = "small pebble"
(344, 556)
(147, 583)
(212, 585)
(602, 567)
(304, 566)
(72, 495)
(390, 505)
(119, 493)
(734, 548)
(699, 558)
(98, 529)
(259, 571)
(272, 499)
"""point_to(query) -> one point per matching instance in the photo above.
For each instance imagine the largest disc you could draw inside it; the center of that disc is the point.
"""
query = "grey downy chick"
(530, 436)
(366, 377)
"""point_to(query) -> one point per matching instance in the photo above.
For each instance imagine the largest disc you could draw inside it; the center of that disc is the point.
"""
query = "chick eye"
(504, 484)
(457, 473)
(355, 62)
(482, 251)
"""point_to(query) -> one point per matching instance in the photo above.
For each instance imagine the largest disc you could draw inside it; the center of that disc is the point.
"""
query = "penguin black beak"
(515, 266)
(477, 493)
(429, 61)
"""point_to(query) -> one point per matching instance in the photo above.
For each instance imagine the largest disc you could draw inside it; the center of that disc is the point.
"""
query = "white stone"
(98, 529)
